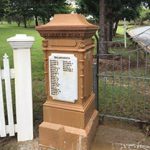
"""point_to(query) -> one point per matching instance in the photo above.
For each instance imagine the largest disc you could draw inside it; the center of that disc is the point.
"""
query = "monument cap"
(67, 25)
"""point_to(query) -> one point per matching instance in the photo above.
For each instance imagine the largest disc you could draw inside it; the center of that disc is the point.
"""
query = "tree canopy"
(2, 8)
(115, 9)
(23, 10)
(109, 16)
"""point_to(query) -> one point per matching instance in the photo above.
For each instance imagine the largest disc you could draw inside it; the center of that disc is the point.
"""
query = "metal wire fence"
(123, 78)
(124, 85)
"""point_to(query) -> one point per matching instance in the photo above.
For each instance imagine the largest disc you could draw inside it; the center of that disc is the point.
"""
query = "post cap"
(21, 41)
(20, 37)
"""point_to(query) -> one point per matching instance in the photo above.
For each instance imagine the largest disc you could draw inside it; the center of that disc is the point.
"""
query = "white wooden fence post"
(21, 44)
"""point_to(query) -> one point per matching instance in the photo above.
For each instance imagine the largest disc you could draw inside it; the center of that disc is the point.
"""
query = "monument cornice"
(75, 26)
(57, 34)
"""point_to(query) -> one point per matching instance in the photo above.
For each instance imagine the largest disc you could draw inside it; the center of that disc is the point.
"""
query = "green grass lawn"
(7, 31)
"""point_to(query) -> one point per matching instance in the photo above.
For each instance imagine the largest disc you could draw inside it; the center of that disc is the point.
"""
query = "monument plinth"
(70, 117)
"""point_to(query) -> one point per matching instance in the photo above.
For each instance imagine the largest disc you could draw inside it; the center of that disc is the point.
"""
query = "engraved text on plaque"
(63, 77)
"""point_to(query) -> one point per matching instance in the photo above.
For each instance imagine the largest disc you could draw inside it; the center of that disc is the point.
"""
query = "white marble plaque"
(63, 77)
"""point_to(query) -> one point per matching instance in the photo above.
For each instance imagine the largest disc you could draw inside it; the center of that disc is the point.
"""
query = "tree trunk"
(116, 26)
(108, 31)
(102, 34)
(141, 22)
(18, 23)
(25, 21)
(43, 20)
(36, 21)
(111, 30)
(48, 18)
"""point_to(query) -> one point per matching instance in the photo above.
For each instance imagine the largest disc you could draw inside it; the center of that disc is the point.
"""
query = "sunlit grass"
(6, 31)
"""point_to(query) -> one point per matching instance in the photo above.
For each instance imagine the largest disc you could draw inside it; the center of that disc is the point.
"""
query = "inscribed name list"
(63, 77)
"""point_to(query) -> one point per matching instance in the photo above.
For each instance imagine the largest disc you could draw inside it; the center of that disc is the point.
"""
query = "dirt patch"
(110, 138)
(113, 64)
(117, 63)
(12, 144)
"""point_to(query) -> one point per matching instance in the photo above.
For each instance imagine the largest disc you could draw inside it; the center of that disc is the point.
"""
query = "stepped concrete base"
(60, 137)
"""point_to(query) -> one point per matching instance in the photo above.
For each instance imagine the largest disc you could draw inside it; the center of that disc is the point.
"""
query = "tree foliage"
(144, 15)
(115, 10)
(23, 10)
(3, 4)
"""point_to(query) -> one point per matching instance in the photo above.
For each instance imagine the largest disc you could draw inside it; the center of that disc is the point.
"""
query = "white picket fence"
(23, 125)
(6, 74)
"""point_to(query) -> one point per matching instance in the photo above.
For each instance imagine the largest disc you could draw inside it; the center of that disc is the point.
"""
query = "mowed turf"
(7, 31)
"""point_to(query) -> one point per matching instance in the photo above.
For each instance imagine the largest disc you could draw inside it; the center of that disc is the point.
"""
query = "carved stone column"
(70, 117)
